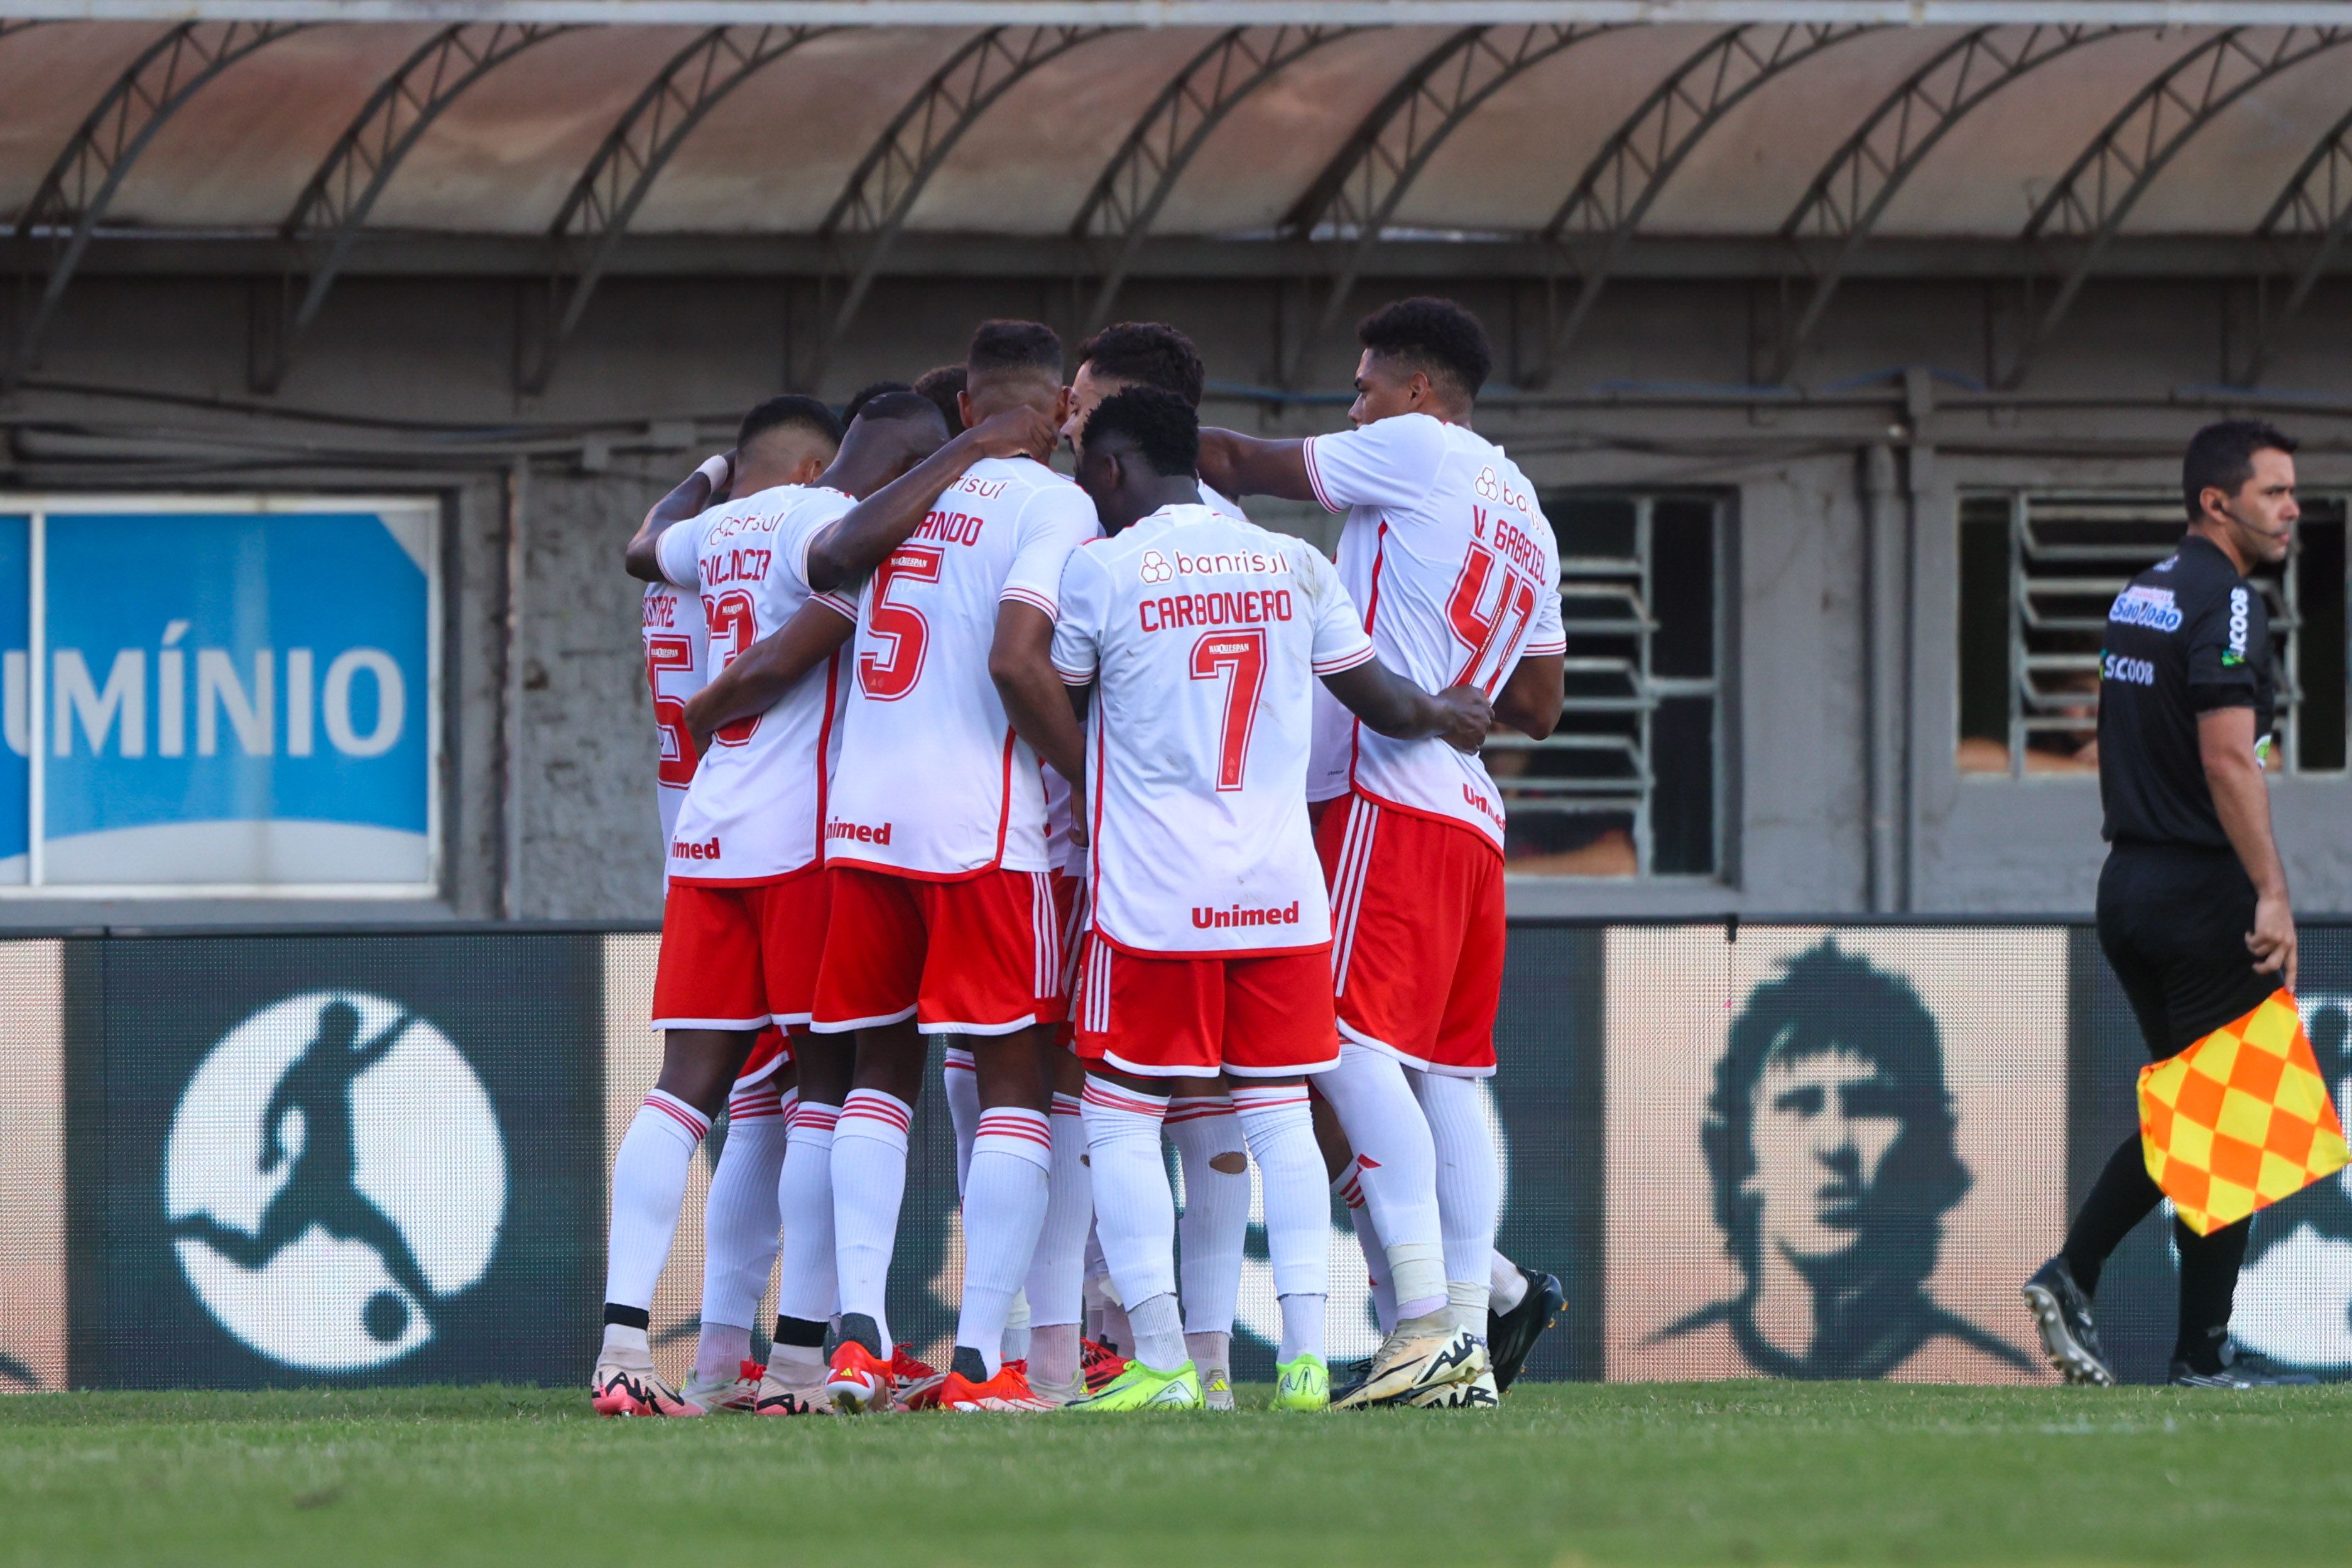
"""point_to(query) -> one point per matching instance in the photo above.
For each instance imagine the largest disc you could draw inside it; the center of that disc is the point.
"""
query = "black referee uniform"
(2187, 636)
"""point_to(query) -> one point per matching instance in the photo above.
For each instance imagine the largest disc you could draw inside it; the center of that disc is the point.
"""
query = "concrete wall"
(550, 754)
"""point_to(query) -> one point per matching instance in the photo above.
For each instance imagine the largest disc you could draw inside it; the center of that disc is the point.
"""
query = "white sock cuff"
(691, 1121)
(872, 1113)
(958, 1059)
(1193, 1107)
(1010, 1130)
(806, 1118)
(1348, 1188)
(760, 1102)
(1066, 1104)
(1271, 1113)
(1103, 1096)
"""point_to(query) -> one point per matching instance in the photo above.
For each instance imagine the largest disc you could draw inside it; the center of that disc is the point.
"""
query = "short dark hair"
(902, 403)
(1436, 336)
(942, 384)
(2222, 457)
(865, 394)
(805, 412)
(1829, 1000)
(1013, 345)
(1165, 431)
(1147, 354)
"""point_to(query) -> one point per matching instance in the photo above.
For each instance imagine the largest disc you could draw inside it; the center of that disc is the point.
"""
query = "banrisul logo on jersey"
(334, 1159)
(225, 696)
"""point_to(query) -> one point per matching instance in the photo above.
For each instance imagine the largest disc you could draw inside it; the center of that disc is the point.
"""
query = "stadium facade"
(1853, 344)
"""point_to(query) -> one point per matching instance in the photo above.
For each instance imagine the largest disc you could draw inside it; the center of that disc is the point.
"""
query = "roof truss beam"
(1841, 208)
(55, 225)
(2088, 205)
(867, 218)
(2312, 212)
(1360, 191)
(1624, 179)
(334, 206)
(1117, 215)
(589, 227)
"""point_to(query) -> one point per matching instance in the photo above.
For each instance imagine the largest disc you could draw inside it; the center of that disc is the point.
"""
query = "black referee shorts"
(2173, 920)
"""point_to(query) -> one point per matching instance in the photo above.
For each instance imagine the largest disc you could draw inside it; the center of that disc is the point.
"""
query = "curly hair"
(1147, 354)
(1162, 425)
(1436, 336)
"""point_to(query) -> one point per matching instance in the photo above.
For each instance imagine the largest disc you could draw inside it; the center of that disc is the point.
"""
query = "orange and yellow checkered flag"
(2240, 1119)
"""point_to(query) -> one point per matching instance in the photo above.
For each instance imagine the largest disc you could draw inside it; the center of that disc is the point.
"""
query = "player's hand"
(1469, 715)
(1019, 431)
(718, 472)
(1078, 815)
(2272, 941)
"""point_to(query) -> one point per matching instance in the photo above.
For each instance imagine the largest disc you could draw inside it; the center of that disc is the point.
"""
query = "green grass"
(1715, 1473)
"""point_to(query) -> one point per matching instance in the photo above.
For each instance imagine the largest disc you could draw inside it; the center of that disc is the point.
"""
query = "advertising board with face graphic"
(1832, 1154)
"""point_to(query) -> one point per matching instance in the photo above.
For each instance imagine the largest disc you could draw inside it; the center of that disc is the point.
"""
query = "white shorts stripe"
(1045, 977)
(1355, 861)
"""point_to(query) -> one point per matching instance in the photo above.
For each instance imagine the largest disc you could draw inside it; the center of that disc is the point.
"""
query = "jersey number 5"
(669, 712)
(1241, 655)
(889, 675)
(1491, 630)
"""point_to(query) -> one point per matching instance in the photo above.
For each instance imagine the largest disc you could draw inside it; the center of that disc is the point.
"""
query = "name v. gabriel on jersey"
(1512, 543)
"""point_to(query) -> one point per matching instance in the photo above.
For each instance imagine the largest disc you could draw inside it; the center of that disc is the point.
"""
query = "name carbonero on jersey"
(1252, 607)
(1207, 918)
(2140, 605)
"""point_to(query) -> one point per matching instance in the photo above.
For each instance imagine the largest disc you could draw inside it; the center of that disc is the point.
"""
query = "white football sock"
(1057, 1280)
(1054, 1356)
(804, 1284)
(627, 1346)
(869, 1181)
(1116, 1331)
(1351, 1191)
(1507, 1284)
(1005, 1204)
(1211, 1352)
(1302, 1326)
(1215, 1225)
(960, 1082)
(1158, 1333)
(1469, 1188)
(649, 1185)
(1397, 1164)
(1281, 1133)
(1015, 1341)
(1135, 1213)
(739, 1222)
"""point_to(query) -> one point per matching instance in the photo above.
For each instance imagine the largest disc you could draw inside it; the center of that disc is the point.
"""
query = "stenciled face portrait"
(1820, 1148)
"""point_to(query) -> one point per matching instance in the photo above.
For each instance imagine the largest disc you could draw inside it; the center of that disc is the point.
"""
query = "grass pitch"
(1714, 1473)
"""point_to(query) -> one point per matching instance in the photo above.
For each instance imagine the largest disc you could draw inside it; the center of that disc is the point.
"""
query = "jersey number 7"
(889, 675)
(1241, 655)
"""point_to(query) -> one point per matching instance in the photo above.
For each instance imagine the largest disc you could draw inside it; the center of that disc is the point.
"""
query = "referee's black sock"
(2119, 1199)
(2208, 1281)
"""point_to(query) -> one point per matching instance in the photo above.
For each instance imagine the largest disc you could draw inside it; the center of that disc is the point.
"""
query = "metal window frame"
(37, 507)
(1639, 574)
(2020, 500)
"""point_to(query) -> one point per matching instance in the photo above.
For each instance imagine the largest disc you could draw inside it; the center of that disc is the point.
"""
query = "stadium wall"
(246, 1159)
(1839, 794)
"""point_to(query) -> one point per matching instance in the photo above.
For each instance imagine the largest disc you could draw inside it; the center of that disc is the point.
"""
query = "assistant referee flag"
(2240, 1119)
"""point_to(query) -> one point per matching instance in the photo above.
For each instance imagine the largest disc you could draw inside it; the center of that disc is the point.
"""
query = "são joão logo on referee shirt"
(334, 1177)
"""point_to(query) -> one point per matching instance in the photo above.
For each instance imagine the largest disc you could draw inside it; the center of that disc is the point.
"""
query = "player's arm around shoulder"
(1043, 652)
(695, 494)
(1352, 672)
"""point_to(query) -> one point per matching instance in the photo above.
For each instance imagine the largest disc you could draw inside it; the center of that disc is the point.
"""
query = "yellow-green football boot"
(1302, 1385)
(1141, 1388)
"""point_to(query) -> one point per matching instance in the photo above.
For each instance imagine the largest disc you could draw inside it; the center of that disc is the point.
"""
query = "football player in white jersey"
(943, 918)
(1214, 1225)
(1204, 637)
(1454, 567)
(785, 442)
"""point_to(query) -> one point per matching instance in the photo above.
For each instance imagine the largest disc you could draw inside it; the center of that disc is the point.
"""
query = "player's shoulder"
(1019, 477)
(2198, 575)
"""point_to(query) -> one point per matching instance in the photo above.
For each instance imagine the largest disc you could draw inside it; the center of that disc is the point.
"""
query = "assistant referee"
(2192, 912)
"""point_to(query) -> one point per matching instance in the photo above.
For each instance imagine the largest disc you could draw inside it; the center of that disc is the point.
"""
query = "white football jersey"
(1457, 575)
(1206, 636)
(756, 809)
(932, 782)
(675, 671)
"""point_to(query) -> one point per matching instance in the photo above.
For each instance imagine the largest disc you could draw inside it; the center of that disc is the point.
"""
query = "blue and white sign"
(232, 697)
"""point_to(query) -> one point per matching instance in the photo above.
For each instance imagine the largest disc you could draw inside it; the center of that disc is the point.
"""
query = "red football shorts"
(1417, 935)
(769, 1052)
(1070, 919)
(739, 958)
(982, 956)
(1192, 1016)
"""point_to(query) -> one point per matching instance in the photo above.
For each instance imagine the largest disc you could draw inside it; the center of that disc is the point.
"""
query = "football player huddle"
(1176, 828)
